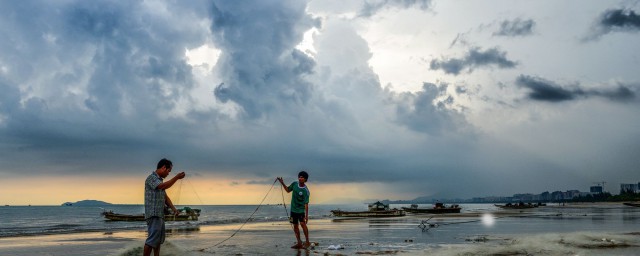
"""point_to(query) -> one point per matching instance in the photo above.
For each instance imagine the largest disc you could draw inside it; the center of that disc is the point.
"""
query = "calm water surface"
(37, 220)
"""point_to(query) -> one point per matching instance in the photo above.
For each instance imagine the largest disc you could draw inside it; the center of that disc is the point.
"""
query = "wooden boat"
(520, 205)
(438, 208)
(632, 204)
(185, 214)
(376, 210)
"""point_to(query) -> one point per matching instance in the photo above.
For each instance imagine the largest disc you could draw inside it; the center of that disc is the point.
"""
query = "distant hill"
(87, 203)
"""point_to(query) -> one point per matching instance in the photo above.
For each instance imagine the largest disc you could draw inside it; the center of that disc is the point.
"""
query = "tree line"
(625, 195)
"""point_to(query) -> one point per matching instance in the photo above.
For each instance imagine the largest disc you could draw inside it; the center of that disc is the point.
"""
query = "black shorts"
(296, 217)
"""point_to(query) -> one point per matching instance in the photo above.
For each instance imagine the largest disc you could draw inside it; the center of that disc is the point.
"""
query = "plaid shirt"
(153, 197)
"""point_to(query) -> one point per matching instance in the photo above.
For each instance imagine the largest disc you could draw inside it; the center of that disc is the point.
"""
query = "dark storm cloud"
(428, 110)
(620, 19)
(370, 8)
(474, 58)
(92, 76)
(92, 81)
(261, 68)
(543, 90)
(517, 27)
(615, 20)
(104, 87)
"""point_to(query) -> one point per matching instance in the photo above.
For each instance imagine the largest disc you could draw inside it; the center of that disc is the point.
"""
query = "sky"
(376, 99)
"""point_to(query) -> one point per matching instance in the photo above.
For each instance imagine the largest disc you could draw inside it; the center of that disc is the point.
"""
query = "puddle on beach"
(579, 243)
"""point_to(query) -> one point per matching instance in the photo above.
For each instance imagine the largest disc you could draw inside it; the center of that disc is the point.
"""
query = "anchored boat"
(376, 210)
(519, 205)
(184, 214)
(438, 208)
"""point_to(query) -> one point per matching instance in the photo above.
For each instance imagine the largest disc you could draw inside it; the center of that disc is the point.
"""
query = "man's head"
(303, 175)
(164, 168)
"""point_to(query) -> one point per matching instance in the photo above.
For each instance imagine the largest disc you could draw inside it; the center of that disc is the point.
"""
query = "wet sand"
(511, 232)
(355, 237)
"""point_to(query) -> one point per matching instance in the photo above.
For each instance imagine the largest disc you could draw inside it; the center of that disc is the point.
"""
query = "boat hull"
(432, 210)
(140, 217)
(369, 214)
(526, 206)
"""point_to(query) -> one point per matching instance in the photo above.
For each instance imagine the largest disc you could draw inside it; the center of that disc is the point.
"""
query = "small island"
(87, 203)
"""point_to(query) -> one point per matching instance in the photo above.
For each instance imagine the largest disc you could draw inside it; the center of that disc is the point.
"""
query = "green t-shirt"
(299, 197)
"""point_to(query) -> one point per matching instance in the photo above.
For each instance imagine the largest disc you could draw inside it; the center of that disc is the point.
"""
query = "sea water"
(580, 229)
(38, 220)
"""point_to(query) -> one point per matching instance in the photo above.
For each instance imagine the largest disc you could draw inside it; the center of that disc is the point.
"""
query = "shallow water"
(584, 229)
(39, 220)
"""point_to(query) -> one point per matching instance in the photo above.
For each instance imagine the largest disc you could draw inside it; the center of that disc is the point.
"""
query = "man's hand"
(180, 175)
(175, 211)
(283, 185)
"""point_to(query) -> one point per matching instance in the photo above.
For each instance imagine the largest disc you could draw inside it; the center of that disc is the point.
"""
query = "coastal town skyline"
(375, 98)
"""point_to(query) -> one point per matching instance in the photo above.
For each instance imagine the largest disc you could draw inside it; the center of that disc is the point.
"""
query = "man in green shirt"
(299, 207)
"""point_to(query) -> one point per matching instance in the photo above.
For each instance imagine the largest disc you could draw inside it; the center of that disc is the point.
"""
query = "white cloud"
(204, 57)
(306, 46)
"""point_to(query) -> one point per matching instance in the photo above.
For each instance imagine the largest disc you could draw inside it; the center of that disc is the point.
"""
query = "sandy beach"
(508, 233)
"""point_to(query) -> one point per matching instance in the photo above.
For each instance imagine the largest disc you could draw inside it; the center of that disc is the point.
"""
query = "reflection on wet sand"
(183, 230)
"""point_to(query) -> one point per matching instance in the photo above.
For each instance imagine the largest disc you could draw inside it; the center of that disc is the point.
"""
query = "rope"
(194, 191)
(179, 192)
(285, 207)
(173, 216)
(286, 212)
(245, 222)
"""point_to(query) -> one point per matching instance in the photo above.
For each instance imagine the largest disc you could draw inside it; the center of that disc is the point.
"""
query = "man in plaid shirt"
(155, 198)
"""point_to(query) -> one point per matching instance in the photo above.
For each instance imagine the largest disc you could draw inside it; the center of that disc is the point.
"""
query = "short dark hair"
(304, 174)
(164, 163)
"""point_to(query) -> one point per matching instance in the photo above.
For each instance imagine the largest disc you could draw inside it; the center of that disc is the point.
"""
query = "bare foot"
(306, 245)
(296, 246)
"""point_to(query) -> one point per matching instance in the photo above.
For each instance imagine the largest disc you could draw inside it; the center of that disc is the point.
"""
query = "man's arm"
(306, 213)
(167, 201)
(167, 184)
(283, 185)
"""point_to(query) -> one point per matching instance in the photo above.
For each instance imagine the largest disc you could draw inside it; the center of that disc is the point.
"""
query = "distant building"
(596, 189)
(555, 196)
(570, 194)
(635, 188)
(545, 196)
